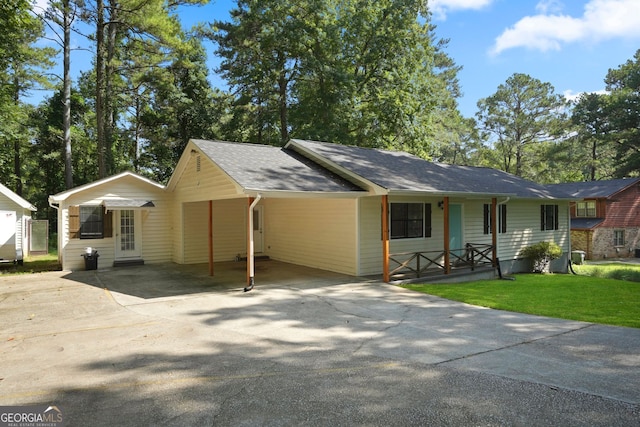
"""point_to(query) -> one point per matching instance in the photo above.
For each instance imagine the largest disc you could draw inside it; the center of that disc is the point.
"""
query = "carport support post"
(210, 237)
(385, 238)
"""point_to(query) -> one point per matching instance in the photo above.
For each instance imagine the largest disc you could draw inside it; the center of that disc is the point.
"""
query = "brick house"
(605, 219)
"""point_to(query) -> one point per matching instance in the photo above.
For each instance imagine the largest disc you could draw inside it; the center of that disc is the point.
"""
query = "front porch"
(408, 266)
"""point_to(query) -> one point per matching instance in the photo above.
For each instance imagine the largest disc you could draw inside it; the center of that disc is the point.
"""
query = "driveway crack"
(531, 341)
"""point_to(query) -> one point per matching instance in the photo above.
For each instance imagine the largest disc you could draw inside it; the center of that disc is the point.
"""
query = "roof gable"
(595, 189)
(264, 168)
(16, 199)
(403, 172)
(66, 194)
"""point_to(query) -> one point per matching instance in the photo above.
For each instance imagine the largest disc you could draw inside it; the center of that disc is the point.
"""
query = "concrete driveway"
(323, 351)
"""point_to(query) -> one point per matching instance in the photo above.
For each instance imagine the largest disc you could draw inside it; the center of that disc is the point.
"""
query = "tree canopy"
(350, 71)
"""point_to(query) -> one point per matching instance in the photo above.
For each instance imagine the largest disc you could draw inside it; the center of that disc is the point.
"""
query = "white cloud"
(549, 6)
(441, 7)
(602, 19)
(39, 6)
(572, 96)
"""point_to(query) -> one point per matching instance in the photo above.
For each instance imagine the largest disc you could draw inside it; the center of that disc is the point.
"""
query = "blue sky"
(570, 44)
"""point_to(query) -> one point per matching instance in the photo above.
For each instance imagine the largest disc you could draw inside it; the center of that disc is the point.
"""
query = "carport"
(171, 280)
(249, 202)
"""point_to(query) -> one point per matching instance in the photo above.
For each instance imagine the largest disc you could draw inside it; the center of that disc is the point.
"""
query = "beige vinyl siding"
(155, 239)
(370, 235)
(473, 211)
(156, 231)
(229, 230)
(196, 240)
(177, 232)
(524, 228)
(318, 233)
(207, 183)
(197, 184)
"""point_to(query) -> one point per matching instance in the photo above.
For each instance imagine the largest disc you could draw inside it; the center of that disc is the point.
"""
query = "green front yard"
(567, 296)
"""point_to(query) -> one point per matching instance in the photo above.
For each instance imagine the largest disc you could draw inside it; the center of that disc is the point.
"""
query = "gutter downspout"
(250, 258)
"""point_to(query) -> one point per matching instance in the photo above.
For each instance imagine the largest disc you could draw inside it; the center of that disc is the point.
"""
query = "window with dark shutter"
(549, 217)
(502, 219)
(74, 222)
(486, 219)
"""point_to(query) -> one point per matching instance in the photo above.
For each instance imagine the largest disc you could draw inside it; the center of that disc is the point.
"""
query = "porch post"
(210, 237)
(447, 249)
(385, 238)
(494, 230)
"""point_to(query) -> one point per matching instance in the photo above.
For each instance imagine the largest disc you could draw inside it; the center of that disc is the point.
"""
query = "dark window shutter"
(503, 225)
(74, 222)
(487, 219)
(427, 219)
(108, 224)
(542, 215)
(555, 217)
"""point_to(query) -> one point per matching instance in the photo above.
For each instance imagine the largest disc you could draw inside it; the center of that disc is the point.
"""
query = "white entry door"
(128, 234)
(258, 235)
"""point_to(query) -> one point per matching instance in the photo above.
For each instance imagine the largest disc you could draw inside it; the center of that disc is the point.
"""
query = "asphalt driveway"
(309, 352)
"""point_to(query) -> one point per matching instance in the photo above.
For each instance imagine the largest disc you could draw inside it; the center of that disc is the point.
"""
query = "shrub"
(542, 254)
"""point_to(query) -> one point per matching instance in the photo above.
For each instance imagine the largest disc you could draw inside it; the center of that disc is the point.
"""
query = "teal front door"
(456, 244)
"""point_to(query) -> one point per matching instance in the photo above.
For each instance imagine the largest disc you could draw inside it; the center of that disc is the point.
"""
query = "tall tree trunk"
(100, 128)
(594, 159)
(109, 107)
(66, 116)
(17, 164)
(284, 126)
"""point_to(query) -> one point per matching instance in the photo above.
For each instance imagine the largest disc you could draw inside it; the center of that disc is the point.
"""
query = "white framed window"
(618, 237)
(586, 209)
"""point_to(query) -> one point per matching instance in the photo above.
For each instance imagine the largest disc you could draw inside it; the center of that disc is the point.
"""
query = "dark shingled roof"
(268, 168)
(400, 171)
(594, 189)
(585, 223)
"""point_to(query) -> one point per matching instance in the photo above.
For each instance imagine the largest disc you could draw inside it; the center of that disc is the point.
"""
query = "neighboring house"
(15, 214)
(357, 211)
(605, 221)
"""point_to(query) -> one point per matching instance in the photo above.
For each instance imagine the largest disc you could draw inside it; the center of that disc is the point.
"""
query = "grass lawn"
(33, 264)
(618, 271)
(565, 296)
